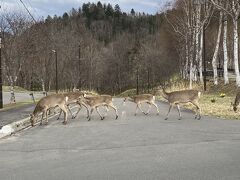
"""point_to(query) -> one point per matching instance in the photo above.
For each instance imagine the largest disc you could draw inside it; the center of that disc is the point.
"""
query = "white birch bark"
(187, 61)
(191, 73)
(43, 85)
(225, 51)
(215, 55)
(201, 56)
(235, 46)
(232, 8)
(197, 33)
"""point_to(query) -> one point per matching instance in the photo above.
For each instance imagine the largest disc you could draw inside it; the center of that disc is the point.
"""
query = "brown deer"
(96, 101)
(47, 103)
(181, 97)
(73, 98)
(143, 98)
(236, 102)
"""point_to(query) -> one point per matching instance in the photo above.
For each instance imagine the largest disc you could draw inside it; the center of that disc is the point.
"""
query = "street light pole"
(56, 68)
(1, 93)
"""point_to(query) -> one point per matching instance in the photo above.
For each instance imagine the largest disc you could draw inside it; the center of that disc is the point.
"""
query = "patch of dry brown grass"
(221, 107)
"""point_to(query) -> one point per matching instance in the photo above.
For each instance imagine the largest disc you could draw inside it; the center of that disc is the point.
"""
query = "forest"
(99, 47)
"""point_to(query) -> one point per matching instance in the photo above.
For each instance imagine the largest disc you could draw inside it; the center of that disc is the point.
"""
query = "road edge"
(22, 124)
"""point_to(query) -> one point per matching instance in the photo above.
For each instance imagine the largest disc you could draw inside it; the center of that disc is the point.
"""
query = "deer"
(236, 102)
(73, 98)
(143, 98)
(182, 97)
(94, 102)
(48, 102)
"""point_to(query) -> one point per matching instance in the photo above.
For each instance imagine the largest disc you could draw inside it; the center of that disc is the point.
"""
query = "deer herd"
(93, 102)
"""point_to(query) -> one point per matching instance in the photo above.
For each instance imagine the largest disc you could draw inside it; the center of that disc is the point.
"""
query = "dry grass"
(16, 89)
(220, 107)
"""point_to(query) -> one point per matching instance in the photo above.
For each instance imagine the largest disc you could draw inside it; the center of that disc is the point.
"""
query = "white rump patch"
(199, 94)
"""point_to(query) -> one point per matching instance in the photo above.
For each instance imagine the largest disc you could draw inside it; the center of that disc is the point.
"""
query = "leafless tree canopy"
(98, 47)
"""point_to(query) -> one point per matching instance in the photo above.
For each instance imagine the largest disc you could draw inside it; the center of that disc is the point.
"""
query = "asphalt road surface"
(11, 115)
(130, 148)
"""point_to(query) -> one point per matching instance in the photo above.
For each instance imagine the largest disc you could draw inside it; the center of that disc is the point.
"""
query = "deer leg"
(68, 108)
(90, 116)
(87, 110)
(140, 107)
(149, 107)
(170, 107)
(198, 111)
(64, 109)
(107, 109)
(155, 105)
(59, 115)
(44, 112)
(79, 109)
(115, 109)
(179, 112)
(102, 117)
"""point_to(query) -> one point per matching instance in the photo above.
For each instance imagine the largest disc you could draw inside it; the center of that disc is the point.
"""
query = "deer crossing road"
(132, 147)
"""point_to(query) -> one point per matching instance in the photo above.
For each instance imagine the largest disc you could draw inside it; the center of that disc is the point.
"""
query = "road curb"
(22, 124)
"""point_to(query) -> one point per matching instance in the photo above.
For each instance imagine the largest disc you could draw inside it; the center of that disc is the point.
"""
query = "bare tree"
(215, 55)
(232, 8)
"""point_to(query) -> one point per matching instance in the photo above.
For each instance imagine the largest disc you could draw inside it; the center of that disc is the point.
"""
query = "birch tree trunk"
(236, 66)
(197, 33)
(186, 62)
(191, 68)
(12, 82)
(215, 55)
(43, 85)
(225, 51)
(191, 73)
(201, 56)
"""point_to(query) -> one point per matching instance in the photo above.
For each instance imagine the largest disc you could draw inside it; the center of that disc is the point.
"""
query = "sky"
(42, 8)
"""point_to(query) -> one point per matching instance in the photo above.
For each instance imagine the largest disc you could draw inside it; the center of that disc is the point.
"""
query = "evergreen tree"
(117, 10)
(109, 11)
(132, 12)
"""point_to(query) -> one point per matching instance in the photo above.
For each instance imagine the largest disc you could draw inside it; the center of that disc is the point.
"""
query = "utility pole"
(56, 68)
(1, 93)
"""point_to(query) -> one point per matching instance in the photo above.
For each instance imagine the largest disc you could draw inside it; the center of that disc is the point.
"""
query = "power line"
(34, 9)
(28, 11)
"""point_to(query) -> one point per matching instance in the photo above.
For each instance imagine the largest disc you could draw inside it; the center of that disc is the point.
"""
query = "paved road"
(130, 148)
(11, 115)
(14, 114)
(20, 97)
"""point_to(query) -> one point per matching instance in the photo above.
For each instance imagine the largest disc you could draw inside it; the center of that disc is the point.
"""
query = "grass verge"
(211, 102)
(16, 105)
(16, 89)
